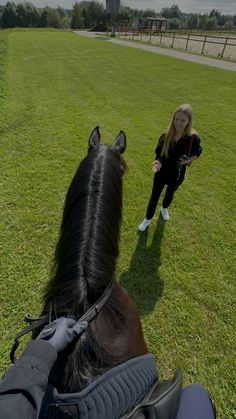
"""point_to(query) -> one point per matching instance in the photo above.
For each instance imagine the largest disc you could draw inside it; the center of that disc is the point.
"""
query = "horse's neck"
(123, 337)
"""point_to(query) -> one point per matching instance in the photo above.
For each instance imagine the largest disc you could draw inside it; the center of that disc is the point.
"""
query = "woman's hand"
(62, 331)
(186, 162)
(156, 166)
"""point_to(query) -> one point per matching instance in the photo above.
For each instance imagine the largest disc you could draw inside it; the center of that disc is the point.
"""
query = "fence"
(216, 46)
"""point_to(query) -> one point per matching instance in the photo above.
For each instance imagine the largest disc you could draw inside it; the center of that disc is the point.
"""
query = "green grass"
(55, 87)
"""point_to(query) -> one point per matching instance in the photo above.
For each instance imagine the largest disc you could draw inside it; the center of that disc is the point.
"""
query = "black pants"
(173, 181)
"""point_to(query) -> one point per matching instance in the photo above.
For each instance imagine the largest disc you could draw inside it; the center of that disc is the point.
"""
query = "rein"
(35, 322)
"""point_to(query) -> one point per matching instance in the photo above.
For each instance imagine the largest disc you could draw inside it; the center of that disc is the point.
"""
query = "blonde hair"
(171, 131)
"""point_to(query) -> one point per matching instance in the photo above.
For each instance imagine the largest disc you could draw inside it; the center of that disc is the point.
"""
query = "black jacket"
(186, 145)
(24, 384)
(132, 386)
(171, 171)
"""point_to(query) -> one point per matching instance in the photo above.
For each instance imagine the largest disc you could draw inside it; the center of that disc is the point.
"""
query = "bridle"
(35, 322)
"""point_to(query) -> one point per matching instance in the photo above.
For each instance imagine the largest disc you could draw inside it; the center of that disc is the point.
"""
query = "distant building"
(113, 6)
(153, 24)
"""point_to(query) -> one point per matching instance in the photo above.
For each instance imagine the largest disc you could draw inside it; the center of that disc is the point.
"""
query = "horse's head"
(118, 148)
(119, 145)
(84, 270)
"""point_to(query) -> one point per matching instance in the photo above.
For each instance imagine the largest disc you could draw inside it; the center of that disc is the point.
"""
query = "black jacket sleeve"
(159, 146)
(196, 146)
(24, 385)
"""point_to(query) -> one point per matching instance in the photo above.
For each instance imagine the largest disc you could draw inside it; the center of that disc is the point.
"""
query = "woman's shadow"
(143, 281)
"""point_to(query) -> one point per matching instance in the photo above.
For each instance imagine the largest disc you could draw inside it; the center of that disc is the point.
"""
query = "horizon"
(226, 7)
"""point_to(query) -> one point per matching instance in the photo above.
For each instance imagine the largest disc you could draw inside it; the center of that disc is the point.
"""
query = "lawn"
(55, 87)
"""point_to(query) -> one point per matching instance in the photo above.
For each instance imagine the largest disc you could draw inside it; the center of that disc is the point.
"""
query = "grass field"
(55, 87)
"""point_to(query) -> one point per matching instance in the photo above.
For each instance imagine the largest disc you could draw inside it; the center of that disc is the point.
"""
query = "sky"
(192, 6)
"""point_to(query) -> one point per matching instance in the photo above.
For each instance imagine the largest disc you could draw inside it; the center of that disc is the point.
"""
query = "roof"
(153, 18)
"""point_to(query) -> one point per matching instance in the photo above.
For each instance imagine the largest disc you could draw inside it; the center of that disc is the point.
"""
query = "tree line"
(212, 21)
(91, 14)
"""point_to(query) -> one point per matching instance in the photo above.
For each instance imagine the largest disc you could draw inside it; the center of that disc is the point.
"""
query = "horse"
(84, 270)
(108, 372)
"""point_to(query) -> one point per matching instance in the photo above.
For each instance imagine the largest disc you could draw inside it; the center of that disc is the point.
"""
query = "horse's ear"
(94, 139)
(120, 142)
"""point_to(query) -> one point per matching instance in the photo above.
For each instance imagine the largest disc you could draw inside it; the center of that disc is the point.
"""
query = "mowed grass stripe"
(58, 86)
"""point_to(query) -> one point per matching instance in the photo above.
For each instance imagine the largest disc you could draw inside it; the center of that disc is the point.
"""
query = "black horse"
(107, 373)
(84, 270)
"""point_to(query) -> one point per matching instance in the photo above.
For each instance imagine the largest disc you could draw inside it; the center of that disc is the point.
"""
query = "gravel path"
(225, 65)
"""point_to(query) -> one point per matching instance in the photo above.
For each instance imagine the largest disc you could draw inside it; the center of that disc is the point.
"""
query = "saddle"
(162, 401)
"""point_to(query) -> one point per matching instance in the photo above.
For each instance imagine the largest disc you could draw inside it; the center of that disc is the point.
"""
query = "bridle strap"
(96, 308)
(41, 321)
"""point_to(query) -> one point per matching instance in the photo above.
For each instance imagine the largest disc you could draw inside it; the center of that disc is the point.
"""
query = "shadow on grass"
(142, 280)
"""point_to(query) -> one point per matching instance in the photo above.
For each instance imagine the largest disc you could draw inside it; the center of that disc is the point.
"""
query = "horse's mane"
(85, 260)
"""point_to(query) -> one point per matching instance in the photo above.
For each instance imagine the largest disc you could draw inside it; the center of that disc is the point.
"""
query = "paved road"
(225, 65)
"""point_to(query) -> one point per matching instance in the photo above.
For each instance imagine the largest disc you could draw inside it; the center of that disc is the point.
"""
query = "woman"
(176, 149)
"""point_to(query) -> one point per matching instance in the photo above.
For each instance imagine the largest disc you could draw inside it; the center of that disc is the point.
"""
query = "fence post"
(150, 37)
(160, 38)
(186, 48)
(140, 36)
(204, 42)
(226, 40)
(173, 40)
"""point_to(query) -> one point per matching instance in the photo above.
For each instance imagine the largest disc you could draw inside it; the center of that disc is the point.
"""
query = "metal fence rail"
(217, 46)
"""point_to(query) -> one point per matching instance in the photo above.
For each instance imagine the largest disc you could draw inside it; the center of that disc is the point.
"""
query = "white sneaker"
(144, 224)
(165, 214)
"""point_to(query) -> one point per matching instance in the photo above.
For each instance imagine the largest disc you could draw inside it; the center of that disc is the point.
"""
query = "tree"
(125, 15)
(53, 18)
(136, 13)
(202, 21)
(93, 13)
(9, 15)
(149, 13)
(77, 19)
(171, 12)
(211, 23)
(216, 14)
(50, 18)
(22, 18)
(34, 14)
(174, 23)
(192, 22)
(62, 12)
(43, 21)
(228, 26)
(222, 20)
(165, 12)
(27, 15)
